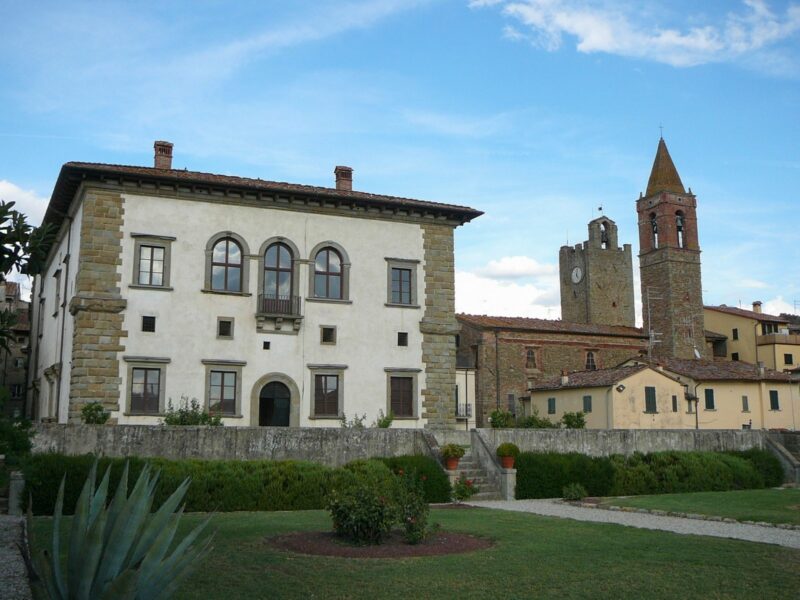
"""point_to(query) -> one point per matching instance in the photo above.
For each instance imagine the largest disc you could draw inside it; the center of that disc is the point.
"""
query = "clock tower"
(597, 278)
(669, 263)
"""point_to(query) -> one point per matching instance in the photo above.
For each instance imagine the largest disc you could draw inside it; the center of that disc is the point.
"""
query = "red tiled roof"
(585, 379)
(716, 370)
(713, 335)
(549, 325)
(740, 312)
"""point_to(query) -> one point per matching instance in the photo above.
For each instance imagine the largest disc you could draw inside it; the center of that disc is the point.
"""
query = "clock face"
(577, 275)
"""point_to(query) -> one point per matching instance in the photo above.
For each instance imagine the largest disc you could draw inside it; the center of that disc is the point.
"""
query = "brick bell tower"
(669, 263)
(597, 278)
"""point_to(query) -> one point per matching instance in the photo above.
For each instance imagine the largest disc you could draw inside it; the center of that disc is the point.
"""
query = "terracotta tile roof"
(713, 335)
(583, 379)
(549, 325)
(740, 312)
(716, 370)
(664, 176)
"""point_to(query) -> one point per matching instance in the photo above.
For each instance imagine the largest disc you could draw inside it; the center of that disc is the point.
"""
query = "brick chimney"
(344, 178)
(163, 155)
(757, 306)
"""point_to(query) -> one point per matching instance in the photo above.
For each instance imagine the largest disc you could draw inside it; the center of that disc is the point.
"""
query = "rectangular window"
(551, 406)
(774, 402)
(326, 395)
(768, 328)
(222, 392)
(19, 363)
(587, 404)
(745, 404)
(149, 324)
(16, 390)
(402, 338)
(225, 328)
(735, 356)
(401, 286)
(788, 359)
(709, 396)
(650, 405)
(145, 390)
(151, 265)
(674, 403)
(402, 396)
(57, 302)
(735, 333)
(327, 335)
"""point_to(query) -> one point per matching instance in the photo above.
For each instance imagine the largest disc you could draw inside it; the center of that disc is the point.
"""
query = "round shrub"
(574, 492)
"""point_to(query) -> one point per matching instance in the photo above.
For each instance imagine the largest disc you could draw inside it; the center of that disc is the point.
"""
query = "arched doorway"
(274, 403)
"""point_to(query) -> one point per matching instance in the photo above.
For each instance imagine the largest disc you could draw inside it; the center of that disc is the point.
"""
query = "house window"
(650, 400)
(591, 365)
(402, 338)
(278, 262)
(735, 356)
(225, 328)
(328, 274)
(149, 324)
(226, 266)
(151, 260)
(774, 402)
(223, 386)
(327, 335)
(674, 403)
(551, 406)
(709, 397)
(326, 395)
(16, 390)
(735, 333)
(530, 359)
(587, 404)
(768, 328)
(57, 299)
(402, 282)
(19, 363)
(145, 390)
(788, 359)
(402, 396)
(745, 404)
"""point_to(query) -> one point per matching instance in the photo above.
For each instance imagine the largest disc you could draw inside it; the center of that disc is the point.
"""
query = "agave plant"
(119, 551)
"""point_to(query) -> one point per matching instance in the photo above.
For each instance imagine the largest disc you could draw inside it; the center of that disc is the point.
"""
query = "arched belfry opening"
(680, 229)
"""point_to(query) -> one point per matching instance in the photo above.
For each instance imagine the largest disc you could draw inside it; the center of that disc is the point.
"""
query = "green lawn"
(771, 506)
(533, 557)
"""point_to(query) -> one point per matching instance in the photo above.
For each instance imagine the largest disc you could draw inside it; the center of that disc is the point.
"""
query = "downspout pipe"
(63, 317)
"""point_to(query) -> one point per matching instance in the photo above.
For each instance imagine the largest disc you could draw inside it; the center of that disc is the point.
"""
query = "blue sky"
(535, 111)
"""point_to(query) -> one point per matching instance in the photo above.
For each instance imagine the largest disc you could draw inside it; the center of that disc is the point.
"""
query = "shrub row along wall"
(217, 485)
(600, 442)
(328, 446)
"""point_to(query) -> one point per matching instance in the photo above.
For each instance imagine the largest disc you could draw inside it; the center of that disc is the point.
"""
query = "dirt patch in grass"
(325, 543)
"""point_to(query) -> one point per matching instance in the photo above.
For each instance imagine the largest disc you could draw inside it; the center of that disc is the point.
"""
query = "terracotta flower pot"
(507, 462)
(451, 463)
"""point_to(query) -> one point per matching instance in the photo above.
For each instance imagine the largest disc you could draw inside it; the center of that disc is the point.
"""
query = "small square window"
(265, 345)
(149, 324)
(735, 356)
(402, 338)
(788, 359)
(327, 335)
(225, 328)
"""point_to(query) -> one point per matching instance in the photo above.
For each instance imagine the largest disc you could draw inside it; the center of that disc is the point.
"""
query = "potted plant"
(507, 452)
(451, 453)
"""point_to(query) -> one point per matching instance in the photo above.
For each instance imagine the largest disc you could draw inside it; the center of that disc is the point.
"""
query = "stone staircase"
(470, 468)
(791, 441)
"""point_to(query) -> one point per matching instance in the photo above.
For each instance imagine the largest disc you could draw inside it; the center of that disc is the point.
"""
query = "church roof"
(664, 176)
(549, 325)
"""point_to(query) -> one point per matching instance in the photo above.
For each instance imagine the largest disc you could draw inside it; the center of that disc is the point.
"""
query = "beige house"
(673, 394)
(754, 337)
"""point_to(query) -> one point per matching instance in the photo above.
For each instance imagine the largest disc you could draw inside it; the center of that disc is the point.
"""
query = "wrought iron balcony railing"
(279, 305)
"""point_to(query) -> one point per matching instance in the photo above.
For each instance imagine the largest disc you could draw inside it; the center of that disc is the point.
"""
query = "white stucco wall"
(186, 317)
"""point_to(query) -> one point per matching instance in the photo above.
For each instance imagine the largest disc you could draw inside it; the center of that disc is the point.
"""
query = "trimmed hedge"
(434, 480)
(217, 485)
(544, 475)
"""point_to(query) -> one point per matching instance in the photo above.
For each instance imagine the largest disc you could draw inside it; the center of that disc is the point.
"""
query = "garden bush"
(765, 463)
(434, 480)
(544, 475)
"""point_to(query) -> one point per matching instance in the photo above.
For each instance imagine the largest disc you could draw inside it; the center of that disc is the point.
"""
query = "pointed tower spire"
(664, 176)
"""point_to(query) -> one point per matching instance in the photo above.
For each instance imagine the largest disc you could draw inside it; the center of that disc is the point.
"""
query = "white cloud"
(753, 284)
(482, 295)
(26, 201)
(623, 30)
(516, 267)
(778, 305)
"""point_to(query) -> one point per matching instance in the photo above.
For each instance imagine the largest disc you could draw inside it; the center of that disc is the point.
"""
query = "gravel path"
(739, 531)
(13, 576)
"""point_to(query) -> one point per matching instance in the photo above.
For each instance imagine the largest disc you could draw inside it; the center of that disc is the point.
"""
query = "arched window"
(226, 266)
(530, 359)
(604, 235)
(278, 272)
(679, 228)
(591, 365)
(654, 226)
(328, 274)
